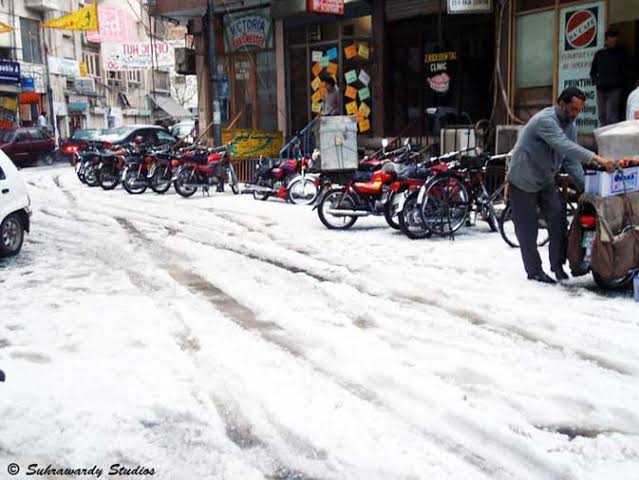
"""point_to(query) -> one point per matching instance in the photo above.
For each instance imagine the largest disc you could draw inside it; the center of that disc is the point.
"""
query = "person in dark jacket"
(547, 143)
(609, 73)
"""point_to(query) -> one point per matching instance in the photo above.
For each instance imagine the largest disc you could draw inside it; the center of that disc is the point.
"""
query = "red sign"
(335, 7)
(581, 29)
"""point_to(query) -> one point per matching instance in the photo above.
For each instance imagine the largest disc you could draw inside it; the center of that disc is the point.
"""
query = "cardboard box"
(606, 184)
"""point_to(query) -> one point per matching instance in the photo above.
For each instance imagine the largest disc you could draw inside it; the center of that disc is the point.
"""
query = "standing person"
(331, 99)
(609, 73)
(547, 143)
(42, 121)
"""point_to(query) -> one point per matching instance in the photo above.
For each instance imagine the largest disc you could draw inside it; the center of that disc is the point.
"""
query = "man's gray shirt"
(543, 147)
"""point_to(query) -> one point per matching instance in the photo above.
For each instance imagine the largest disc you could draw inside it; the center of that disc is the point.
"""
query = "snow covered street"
(225, 338)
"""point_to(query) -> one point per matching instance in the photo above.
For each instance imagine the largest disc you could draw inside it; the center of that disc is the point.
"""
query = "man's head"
(611, 37)
(44, 114)
(328, 80)
(572, 102)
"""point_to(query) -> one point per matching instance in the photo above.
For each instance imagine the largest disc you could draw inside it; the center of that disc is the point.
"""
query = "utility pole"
(217, 116)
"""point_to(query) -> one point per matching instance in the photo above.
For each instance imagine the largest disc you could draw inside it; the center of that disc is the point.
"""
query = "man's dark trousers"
(525, 206)
(609, 106)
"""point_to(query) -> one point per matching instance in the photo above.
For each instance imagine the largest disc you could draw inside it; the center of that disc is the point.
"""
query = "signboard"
(9, 72)
(77, 104)
(336, 7)
(85, 85)
(581, 34)
(64, 66)
(248, 32)
(27, 84)
(439, 71)
(137, 56)
(253, 143)
(36, 72)
(470, 6)
(115, 26)
(8, 111)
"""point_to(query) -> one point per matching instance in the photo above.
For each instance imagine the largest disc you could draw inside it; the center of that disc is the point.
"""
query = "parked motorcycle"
(109, 170)
(205, 169)
(86, 164)
(284, 179)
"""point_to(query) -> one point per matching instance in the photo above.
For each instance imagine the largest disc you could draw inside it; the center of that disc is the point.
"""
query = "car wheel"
(47, 159)
(11, 235)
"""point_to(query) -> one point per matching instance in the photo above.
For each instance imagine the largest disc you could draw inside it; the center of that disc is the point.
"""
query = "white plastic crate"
(606, 184)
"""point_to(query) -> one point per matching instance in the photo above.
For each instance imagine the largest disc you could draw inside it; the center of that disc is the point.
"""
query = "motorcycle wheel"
(614, 284)
(331, 199)
(130, 183)
(410, 219)
(181, 184)
(79, 171)
(91, 176)
(302, 191)
(108, 179)
(391, 214)
(160, 183)
(260, 196)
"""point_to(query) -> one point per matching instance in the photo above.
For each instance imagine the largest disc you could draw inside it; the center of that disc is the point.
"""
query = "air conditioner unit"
(185, 61)
(506, 137)
(453, 139)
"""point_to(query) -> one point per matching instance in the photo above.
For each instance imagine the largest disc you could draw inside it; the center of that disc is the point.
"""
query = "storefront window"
(358, 27)
(535, 34)
(266, 91)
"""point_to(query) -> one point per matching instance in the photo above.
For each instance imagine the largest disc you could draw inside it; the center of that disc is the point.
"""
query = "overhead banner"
(470, 6)
(116, 26)
(253, 143)
(137, 56)
(336, 7)
(581, 33)
(252, 31)
(85, 19)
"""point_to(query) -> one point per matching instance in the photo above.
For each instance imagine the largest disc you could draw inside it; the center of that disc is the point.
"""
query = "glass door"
(244, 85)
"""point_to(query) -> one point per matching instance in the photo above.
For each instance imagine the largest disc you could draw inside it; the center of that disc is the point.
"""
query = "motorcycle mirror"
(406, 142)
(431, 110)
(384, 142)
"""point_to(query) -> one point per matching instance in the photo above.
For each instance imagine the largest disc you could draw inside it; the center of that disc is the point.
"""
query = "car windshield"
(115, 135)
(7, 135)
(87, 134)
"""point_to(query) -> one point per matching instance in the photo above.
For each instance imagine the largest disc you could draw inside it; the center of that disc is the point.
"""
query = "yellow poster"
(350, 51)
(351, 108)
(351, 92)
(332, 69)
(317, 97)
(364, 125)
(315, 83)
(363, 51)
(317, 69)
(316, 107)
(84, 69)
(364, 110)
(253, 143)
(85, 19)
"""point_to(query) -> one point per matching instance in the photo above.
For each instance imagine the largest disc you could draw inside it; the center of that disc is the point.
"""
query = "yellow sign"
(351, 108)
(85, 19)
(4, 28)
(84, 69)
(363, 51)
(364, 110)
(364, 125)
(317, 97)
(315, 84)
(253, 143)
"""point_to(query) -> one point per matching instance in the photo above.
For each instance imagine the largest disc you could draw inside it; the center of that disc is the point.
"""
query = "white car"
(15, 211)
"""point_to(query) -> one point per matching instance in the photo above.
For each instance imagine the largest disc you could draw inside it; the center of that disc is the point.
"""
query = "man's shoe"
(560, 274)
(542, 277)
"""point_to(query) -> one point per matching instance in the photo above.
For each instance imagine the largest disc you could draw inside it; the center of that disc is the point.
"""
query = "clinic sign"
(248, 32)
(470, 6)
(581, 34)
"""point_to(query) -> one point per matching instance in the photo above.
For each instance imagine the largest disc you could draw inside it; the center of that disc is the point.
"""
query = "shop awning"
(29, 97)
(172, 108)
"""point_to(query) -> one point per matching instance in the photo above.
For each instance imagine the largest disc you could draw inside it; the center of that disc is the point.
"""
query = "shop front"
(9, 90)
(554, 45)
(339, 46)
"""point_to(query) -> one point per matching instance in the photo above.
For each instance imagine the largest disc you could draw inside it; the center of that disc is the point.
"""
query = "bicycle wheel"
(445, 206)
(410, 220)
(507, 229)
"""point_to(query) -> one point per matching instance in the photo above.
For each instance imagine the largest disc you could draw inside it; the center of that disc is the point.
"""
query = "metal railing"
(302, 143)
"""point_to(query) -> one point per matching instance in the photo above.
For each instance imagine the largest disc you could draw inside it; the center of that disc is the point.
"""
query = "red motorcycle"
(340, 207)
(204, 169)
(284, 179)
